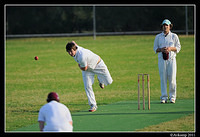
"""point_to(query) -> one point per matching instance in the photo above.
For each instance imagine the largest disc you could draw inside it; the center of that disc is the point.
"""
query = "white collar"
(165, 34)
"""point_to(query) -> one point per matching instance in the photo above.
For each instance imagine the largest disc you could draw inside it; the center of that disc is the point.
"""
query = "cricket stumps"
(143, 88)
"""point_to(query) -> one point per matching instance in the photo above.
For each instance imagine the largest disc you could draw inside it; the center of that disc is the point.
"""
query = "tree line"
(79, 19)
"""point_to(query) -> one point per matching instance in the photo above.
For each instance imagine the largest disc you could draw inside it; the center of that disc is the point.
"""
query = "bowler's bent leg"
(103, 73)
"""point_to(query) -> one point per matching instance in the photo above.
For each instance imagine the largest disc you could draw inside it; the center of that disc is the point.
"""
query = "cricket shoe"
(101, 85)
(93, 108)
(172, 100)
(163, 101)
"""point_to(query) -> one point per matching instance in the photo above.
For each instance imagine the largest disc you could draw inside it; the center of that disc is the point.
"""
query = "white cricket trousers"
(167, 71)
(103, 76)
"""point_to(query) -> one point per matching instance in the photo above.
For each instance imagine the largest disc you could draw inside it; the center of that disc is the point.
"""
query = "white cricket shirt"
(56, 116)
(85, 57)
(169, 40)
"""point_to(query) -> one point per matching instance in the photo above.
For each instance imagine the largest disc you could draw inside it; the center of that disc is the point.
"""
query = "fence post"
(94, 23)
(186, 20)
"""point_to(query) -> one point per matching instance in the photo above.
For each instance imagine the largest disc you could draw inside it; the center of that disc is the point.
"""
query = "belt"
(99, 60)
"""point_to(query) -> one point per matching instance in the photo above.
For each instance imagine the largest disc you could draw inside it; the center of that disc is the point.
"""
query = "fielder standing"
(56, 116)
(167, 45)
(90, 64)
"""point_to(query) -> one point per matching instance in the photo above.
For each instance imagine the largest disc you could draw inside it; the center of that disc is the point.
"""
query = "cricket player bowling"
(90, 64)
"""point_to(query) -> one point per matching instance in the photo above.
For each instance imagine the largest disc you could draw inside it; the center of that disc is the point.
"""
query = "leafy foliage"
(77, 19)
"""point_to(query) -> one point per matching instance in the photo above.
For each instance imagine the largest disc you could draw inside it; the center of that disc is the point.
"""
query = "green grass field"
(123, 116)
(28, 81)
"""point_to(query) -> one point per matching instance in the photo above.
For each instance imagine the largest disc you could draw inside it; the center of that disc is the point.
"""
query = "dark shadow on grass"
(20, 111)
(148, 113)
(136, 102)
(79, 104)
